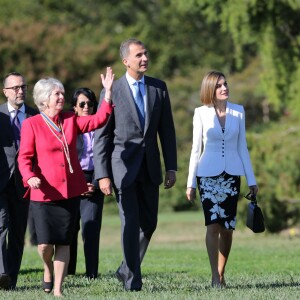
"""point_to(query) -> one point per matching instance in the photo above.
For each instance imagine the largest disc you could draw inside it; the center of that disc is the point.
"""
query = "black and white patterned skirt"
(219, 196)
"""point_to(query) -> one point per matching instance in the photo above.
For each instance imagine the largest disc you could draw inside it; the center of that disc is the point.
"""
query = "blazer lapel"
(150, 100)
(128, 101)
(80, 145)
(150, 96)
(7, 120)
(216, 123)
(228, 118)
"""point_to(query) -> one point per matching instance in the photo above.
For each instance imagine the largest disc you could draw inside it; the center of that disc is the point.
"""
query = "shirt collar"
(12, 109)
(132, 81)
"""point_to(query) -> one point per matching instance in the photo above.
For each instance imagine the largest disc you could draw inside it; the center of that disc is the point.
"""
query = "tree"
(271, 30)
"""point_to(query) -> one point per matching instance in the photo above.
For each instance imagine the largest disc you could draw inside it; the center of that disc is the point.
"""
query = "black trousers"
(13, 222)
(138, 209)
(90, 213)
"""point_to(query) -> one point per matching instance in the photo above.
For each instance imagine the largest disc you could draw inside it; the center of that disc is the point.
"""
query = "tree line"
(255, 43)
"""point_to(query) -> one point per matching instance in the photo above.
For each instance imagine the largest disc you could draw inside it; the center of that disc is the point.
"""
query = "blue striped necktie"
(139, 101)
(16, 125)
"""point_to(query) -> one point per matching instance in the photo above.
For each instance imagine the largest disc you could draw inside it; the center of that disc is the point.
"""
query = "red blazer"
(41, 154)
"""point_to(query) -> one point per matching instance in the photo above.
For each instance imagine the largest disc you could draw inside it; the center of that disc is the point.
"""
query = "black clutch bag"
(255, 219)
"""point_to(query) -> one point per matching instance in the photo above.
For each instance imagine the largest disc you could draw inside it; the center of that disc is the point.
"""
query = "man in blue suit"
(13, 208)
(127, 157)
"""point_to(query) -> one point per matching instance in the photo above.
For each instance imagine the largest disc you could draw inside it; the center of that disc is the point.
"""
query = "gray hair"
(124, 48)
(43, 89)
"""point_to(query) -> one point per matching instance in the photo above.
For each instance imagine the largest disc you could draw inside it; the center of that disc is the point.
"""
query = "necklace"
(52, 126)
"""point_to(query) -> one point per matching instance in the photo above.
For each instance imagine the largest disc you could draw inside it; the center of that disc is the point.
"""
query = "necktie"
(16, 125)
(139, 101)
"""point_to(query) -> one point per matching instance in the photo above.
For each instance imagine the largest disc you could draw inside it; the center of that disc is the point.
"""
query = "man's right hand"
(105, 186)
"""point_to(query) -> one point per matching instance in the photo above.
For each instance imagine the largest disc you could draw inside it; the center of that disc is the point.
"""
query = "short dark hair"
(124, 48)
(88, 93)
(11, 74)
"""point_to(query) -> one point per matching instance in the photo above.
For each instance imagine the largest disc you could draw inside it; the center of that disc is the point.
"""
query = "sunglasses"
(83, 103)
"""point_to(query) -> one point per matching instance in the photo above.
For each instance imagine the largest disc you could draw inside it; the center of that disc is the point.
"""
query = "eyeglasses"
(17, 87)
(83, 103)
(218, 85)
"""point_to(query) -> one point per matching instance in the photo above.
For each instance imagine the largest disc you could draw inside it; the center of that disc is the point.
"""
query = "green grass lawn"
(261, 266)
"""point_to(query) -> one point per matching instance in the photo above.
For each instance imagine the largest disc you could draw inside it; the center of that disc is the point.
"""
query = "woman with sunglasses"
(49, 165)
(219, 157)
(84, 103)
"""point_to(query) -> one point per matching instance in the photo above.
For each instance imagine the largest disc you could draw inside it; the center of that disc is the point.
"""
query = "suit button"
(62, 165)
(64, 180)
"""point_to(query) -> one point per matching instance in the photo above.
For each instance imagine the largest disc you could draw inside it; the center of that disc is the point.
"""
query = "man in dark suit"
(126, 153)
(13, 208)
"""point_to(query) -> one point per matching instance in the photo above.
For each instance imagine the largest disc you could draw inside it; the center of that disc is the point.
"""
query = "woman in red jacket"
(50, 168)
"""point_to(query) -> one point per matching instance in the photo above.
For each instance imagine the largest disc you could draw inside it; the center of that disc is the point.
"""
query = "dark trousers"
(91, 218)
(13, 222)
(138, 209)
(31, 228)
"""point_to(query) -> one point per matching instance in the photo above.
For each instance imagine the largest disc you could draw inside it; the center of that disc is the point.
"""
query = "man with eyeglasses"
(13, 208)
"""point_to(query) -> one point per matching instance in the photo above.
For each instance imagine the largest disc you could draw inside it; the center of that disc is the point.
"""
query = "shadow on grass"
(31, 270)
(265, 285)
(158, 282)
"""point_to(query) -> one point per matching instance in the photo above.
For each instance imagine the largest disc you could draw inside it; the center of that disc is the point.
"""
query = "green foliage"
(271, 30)
(275, 158)
(256, 43)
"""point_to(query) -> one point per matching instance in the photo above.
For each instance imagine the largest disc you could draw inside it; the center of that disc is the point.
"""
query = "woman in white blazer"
(219, 157)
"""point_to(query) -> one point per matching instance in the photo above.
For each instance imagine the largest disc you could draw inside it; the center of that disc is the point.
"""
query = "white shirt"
(131, 81)
(12, 112)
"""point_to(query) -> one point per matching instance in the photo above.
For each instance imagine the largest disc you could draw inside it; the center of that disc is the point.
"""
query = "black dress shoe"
(133, 290)
(5, 281)
(119, 277)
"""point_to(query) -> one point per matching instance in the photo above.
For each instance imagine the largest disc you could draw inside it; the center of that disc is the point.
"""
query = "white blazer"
(214, 151)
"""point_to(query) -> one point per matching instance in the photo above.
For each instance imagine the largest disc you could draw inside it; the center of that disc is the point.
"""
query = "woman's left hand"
(107, 82)
(191, 194)
(253, 189)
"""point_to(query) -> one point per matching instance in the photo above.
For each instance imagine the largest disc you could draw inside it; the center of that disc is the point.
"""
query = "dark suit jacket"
(121, 145)
(8, 153)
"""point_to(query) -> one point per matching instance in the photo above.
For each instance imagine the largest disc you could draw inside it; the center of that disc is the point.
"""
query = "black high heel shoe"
(47, 286)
